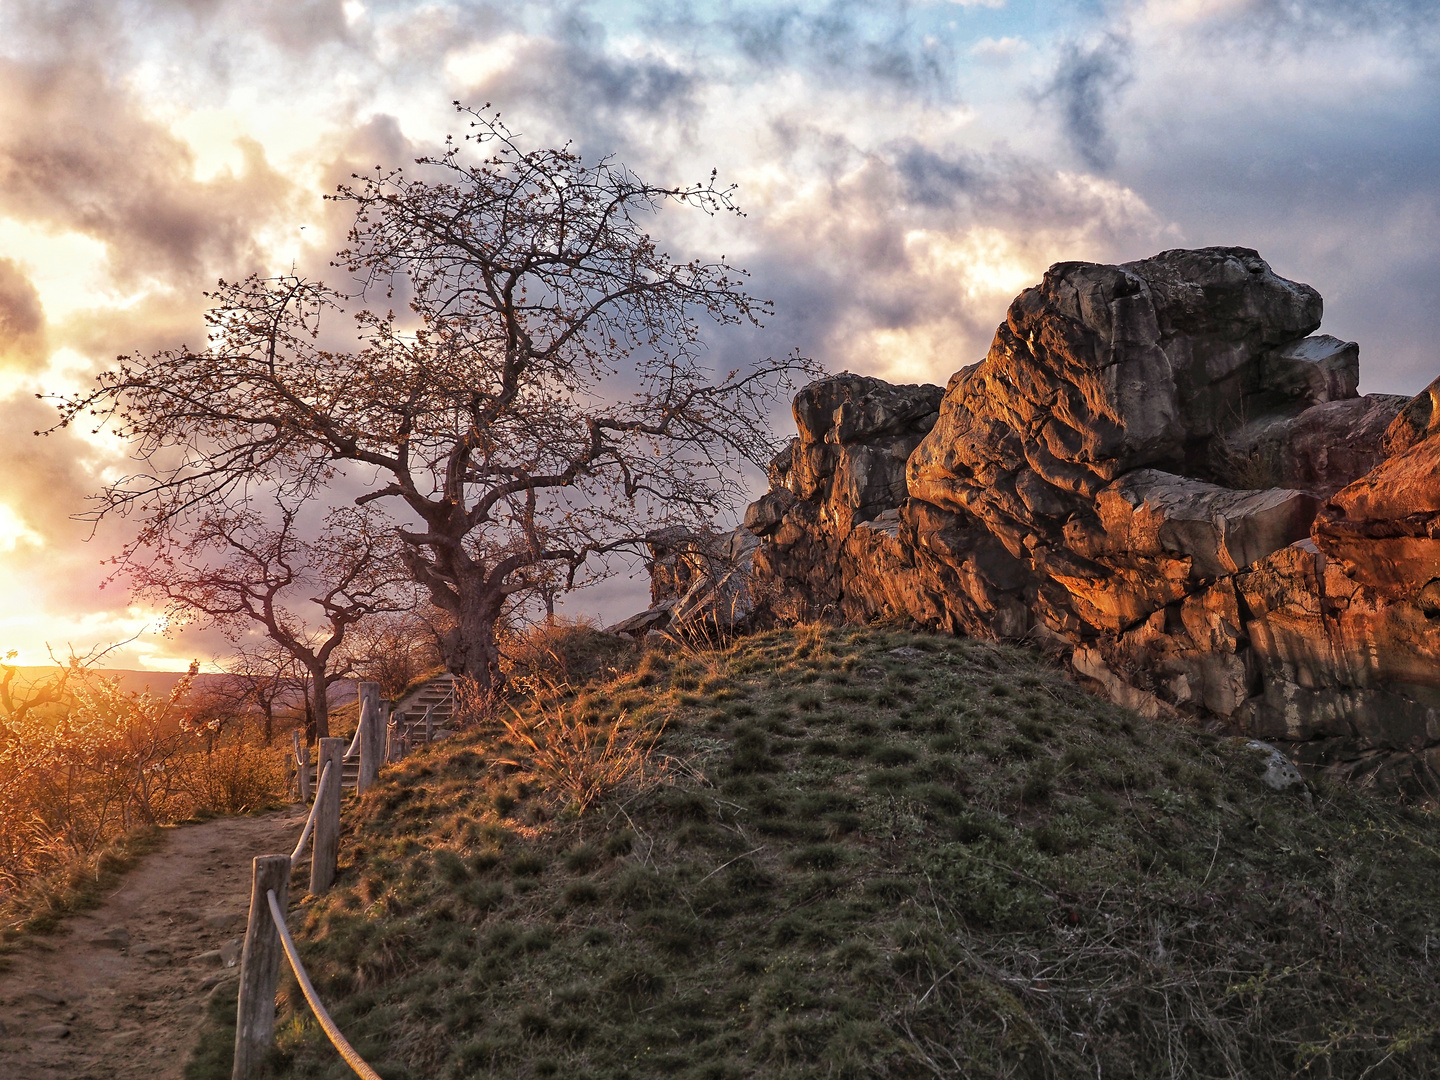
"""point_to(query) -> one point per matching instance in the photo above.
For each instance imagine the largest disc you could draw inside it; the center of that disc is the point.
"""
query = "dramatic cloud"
(1087, 78)
(22, 320)
(905, 170)
(75, 154)
(905, 263)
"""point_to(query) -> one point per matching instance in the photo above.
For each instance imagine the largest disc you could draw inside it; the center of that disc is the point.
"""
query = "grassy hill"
(860, 853)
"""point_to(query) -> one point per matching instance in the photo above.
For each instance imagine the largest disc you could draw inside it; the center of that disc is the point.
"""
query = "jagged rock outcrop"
(1159, 473)
(845, 470)
(1385, 527)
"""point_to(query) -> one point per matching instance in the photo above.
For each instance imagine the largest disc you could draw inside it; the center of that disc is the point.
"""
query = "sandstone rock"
(1091, 664)
(1314, 370)
(1318, 451)
(1101, 369)
(856, 434)
(1385, 527)
(700, 583)
(647, 621)
(847, 409)
(1149, 513)
(678, 556)
(1418, 419)
(763, 516)
(1131, 477)
(1344, 665)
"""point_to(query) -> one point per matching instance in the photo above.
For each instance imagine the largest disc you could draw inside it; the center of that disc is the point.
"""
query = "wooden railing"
(267, 937)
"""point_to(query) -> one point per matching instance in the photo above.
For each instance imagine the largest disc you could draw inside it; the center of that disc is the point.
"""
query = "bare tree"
(543, 402)
(262, 678)
(19, 696)
(393, 650)
(241, 569)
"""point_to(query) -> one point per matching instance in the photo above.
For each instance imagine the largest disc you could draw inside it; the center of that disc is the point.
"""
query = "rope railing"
(338, 1040)
(267, 937)
(320, 790)
(353, 750)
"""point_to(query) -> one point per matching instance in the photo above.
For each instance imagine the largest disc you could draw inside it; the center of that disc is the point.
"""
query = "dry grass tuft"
(582, 762)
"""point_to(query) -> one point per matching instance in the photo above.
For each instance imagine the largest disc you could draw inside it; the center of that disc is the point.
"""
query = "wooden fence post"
(429, 724)
(393, 720)
(302, 766)
(325, 842)
(260, 967)
(372, 736)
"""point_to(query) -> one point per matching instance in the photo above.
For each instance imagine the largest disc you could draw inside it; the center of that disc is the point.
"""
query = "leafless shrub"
(475, 705)
(560, 650)
(394, 650)
(232, 770)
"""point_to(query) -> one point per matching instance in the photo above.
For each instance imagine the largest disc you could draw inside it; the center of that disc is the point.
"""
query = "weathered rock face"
(1157, 473)
(1385, 527)
(845, 470)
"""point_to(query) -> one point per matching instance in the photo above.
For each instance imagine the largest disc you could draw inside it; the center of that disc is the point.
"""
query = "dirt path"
(119, 992)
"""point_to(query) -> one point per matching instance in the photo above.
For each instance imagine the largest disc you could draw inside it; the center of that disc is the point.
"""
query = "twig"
(1213, 856)
(722, 866)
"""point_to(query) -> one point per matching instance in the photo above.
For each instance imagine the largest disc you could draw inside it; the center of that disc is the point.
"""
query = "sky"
(905, 169)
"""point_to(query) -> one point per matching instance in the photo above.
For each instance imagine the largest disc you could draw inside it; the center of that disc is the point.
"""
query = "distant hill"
(161, 683)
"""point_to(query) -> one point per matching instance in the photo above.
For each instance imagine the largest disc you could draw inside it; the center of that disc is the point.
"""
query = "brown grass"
(99, 763)
(561, 650)
(582, 762)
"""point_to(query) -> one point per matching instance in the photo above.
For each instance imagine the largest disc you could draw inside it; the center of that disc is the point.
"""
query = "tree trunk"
(309, 717)
(318, 701)
(461, 587)
(469, 646)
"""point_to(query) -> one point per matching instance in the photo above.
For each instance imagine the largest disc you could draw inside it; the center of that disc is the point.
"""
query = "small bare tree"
(243, 570)
(260, 679)
(393, 650)
(544, 402)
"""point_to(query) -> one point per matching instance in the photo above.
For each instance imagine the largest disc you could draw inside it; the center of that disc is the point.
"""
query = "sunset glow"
(905, 173)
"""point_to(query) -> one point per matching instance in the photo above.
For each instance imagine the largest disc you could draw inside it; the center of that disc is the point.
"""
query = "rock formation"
(699, 582)
(1160, 474)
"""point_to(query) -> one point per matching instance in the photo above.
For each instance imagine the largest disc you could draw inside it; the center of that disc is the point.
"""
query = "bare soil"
(119, 991)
